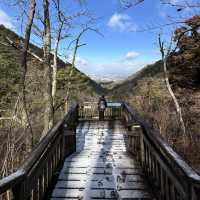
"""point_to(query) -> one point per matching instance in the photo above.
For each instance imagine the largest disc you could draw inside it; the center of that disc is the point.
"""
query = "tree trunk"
(24, 70)
(48, 113)
(177, 106)
(75, 52)
(55, 64)
(71, 71)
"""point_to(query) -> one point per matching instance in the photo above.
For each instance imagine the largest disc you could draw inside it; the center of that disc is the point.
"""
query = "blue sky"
(124, 49)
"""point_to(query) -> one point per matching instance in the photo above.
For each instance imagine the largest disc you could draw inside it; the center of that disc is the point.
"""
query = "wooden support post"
(69, 140)
(20, 191)
(142, 150)
(66, 106)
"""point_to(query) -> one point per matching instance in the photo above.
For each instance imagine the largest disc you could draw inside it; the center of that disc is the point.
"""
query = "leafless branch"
(179, 6)
(20, 48)
(130, 3)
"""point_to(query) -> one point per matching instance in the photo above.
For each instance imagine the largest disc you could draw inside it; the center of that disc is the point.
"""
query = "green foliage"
(10, 72)
(11, 107)
(186, 61)
(81, 87)
(127, 88)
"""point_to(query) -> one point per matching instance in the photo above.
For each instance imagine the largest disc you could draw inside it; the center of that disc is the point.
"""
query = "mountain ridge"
(9, 52)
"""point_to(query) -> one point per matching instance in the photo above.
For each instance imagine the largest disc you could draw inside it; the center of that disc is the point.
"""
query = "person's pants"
(101, 114)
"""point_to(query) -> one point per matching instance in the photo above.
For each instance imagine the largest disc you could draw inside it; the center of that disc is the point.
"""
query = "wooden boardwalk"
(97, 164)
(101, 168)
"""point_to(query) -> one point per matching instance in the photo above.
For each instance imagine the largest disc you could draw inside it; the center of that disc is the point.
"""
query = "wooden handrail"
(45, 143)
(159, 154)
(11, 180)
(50, 149)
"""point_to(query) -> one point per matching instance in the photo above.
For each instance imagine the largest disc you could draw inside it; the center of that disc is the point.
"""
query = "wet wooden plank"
(96, 177)
(103, 184)
(54, 198)
(67, 193)
(123, 194)
(72, 170)
(101, 194)
(72, 177)
(71, 184)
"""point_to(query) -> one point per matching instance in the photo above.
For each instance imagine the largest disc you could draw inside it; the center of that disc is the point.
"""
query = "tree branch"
(20, 48)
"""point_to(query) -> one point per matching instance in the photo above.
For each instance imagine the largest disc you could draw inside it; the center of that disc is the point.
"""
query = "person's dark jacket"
(102, 104)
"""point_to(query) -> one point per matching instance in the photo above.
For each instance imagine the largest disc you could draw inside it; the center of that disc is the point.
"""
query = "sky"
(126, 46)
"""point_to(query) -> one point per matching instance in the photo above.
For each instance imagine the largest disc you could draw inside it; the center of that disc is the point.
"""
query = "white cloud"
(118, 69)
(81, 61)
(122, 22)
(176, 1)
(6, 20)
(131, 55)
(78, 62)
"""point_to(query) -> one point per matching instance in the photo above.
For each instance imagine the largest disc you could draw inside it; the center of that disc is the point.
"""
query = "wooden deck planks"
(101, 168)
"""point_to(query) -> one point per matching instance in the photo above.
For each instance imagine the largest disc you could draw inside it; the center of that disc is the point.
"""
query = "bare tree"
(165, 53)
(85, 28)
(173, 20)
(181, 5)
(62, 28)
(130, 3)
(64, 22)
(76, 47)
(9, 159)
(48, 113)
(61, 22)
(24, 62)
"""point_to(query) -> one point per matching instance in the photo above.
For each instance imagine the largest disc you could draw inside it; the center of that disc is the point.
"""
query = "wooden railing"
(169, 175)
(35, 177)
(89, 110)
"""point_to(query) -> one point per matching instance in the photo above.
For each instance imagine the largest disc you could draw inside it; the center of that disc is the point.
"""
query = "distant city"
(107, 78)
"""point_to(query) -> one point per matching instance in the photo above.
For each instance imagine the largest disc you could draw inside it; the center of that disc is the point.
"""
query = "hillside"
(81, 87)
(10, 64)
(128, 85)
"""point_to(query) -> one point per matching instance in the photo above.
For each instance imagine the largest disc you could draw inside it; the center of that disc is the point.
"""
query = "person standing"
(102, 104)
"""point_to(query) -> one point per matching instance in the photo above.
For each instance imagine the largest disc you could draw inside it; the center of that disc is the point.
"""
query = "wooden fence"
(89, 111)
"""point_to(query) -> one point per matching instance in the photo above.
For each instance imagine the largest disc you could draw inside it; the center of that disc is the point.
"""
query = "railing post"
(142, 153)
(77, 114)
(69, 140)
(195, 192)
(20, 191)
(69, 134)
(134, 139)
(66, 107)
